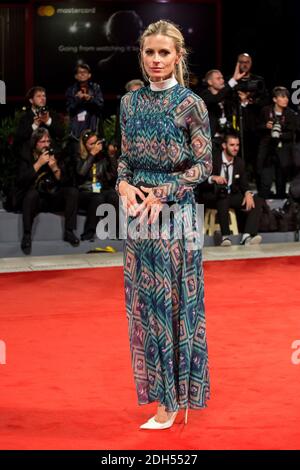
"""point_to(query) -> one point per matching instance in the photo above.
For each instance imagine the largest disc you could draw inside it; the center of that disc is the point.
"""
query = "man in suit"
(228, 188)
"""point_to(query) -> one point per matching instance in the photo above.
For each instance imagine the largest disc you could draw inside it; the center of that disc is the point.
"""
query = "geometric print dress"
(166, 143)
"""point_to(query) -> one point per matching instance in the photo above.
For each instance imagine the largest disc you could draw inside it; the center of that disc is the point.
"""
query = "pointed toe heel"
(153, 424)
(186, 412)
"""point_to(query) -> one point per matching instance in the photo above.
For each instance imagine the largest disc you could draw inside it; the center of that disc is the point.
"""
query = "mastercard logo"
(46, 10)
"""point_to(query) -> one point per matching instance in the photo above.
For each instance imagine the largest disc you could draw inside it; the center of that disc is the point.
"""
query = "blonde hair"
(166, 28)
(84, 137)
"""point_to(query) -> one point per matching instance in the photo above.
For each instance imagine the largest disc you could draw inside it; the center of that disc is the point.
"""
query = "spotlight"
(73, 28)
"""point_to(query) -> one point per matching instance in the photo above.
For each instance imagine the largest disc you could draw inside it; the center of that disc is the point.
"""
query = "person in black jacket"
(44, 185)
(228, 188)
(96, 174)
(36, 117)
(218, 99)
(278, 125)
(84, 104)
(251, 96)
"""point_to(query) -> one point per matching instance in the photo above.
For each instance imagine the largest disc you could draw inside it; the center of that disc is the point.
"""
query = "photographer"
(84, 105)
(251, 84)
(251, 96)
(228, 188)
(278, 125)
(38, 116)
(97, 174)
(217, 97)
(43, 185)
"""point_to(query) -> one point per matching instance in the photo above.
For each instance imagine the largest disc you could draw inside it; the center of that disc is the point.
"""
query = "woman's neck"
(163, 84)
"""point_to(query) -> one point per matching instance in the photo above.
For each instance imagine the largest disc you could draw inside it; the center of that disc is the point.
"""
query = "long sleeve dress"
(166, 142)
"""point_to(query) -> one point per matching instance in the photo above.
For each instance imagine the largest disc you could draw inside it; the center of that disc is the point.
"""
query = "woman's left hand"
(151, 204)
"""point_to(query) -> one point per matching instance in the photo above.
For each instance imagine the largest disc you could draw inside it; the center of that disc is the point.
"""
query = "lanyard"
(94, 171)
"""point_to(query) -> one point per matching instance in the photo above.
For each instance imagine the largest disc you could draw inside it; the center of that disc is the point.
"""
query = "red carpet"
(67, 381)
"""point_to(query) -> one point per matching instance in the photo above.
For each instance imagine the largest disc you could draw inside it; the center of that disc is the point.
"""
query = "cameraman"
(44, 185)
(217, 97)
(278, 125)
(38, 116)
(228, 188)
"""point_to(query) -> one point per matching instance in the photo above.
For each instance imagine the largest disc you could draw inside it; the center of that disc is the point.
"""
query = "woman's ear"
(178, 58)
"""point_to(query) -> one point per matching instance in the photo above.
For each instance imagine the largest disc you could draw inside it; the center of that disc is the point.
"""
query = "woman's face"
(91, 142)
(159, 57)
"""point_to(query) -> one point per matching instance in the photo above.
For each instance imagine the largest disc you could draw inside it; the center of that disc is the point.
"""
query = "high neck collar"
(164, 84)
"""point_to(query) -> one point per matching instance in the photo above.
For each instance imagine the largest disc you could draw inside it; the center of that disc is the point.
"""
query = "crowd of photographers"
(254, 134)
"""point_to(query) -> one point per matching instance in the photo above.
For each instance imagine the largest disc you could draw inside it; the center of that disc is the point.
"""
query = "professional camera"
(46, 184)
(221, 190)
(250, 85)
(276, 130)
(42, 110)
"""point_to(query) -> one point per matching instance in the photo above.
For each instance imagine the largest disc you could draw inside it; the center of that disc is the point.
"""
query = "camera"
(46, 185)
(50, 150)
(250, 85)
(221, 190)
(276, 130)
(42, 110)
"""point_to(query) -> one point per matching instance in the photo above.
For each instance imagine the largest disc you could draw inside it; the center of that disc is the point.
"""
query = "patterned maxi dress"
(166, 142)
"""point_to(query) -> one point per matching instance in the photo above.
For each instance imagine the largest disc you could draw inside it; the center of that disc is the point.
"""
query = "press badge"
(96, 187)
(81, 116)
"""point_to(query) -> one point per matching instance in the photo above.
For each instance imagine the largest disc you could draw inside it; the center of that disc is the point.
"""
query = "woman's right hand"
(129, 193)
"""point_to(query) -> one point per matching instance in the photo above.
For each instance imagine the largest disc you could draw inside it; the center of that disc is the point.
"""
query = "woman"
(165, 144)
(96, 175)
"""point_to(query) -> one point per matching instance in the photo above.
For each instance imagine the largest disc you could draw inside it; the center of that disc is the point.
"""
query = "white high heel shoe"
(153, 424)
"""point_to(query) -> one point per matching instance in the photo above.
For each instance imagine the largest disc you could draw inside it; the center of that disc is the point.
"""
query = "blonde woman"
(96, 176)
(166, 152)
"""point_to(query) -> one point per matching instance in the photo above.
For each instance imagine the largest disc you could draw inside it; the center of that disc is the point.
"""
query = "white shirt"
(223, 173)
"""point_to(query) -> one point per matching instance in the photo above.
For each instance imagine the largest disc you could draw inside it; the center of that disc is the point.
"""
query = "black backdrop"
(106, 37)
(268, 29)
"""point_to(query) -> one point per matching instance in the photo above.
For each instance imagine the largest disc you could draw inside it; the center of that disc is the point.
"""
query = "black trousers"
(64, 200)
(248, 219)
(273, 163)
(89, 202)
